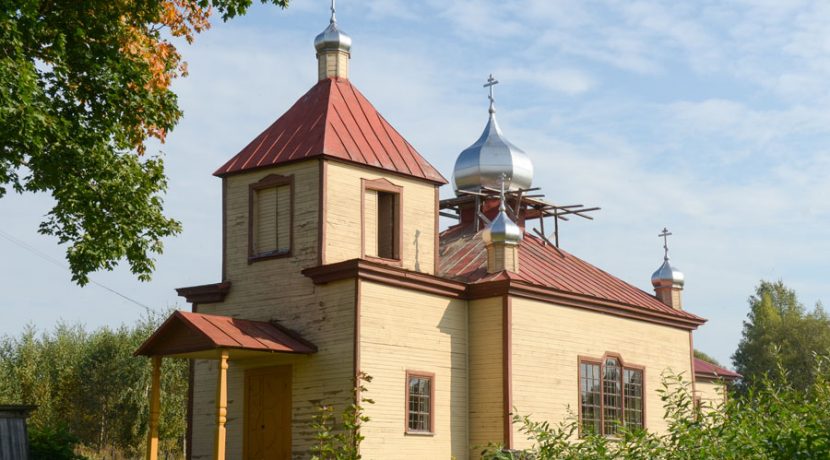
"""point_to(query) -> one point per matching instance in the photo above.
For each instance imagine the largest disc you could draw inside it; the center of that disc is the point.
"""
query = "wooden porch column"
(221, 406)
(155, 400)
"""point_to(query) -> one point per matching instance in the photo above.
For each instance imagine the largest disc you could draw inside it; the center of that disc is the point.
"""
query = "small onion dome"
(667, 274)
(491, 158)
(502, 230)
(333, 39)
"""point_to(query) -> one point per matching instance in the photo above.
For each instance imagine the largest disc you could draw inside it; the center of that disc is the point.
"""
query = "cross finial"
(333, 8)
(490, 83)
(665, 235)
(504, 179)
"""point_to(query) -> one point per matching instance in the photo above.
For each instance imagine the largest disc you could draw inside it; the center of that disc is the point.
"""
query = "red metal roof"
(335, 120)
(185, 332)
(707, 369)
(464, 257)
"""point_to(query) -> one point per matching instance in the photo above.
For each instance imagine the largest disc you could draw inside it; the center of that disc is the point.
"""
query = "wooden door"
(268, 413)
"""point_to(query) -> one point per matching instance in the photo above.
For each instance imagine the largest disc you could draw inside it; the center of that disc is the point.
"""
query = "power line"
(60, 264)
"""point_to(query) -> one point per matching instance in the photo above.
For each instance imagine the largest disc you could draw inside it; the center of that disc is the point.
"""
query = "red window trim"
(601, 362)
(431, 377)
(271, 180)
(382, 185)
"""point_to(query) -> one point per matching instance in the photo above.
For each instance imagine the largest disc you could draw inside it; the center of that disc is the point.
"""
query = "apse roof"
(464, 258)
(707, 369)
(333, 119)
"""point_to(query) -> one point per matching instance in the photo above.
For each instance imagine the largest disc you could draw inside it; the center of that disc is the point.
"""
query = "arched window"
(610, 395)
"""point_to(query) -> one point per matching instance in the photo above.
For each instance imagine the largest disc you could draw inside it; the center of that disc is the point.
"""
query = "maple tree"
(83, 86)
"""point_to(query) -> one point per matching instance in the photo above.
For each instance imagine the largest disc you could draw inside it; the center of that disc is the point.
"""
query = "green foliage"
(778, 329)
(703, 356)
(53, 444)
(340, 440)
(90, 385)
(83, 86)
(773, 420)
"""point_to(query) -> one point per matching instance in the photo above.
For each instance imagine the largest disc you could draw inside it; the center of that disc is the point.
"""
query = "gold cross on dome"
(665, 235)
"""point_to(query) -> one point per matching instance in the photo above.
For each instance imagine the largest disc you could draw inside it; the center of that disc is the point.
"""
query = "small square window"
(420, 402)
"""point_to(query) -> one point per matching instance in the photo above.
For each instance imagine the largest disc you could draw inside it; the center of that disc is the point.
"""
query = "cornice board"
(206, 293)
(384, 274)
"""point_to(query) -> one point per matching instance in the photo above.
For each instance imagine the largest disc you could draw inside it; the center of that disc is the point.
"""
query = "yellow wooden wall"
(547, 340)
(276, 290)
(486, 371)
(710, 391)
(343, 199)
(404, 330)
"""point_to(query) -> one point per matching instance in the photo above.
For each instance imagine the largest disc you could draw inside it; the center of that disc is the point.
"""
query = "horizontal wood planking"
(276, 290)
(548, 339)
(343, 220)
(711, 392)
(486, 372)
(406, 330)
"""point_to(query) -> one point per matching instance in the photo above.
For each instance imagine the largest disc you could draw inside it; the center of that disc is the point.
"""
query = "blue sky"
(711, 118)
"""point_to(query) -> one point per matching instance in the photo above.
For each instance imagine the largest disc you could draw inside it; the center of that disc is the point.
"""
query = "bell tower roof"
(334, 120)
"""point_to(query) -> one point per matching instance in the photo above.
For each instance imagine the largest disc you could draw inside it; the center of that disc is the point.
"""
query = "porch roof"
(197, 335)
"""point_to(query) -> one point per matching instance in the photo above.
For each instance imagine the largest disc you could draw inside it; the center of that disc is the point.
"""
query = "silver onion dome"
(667, 274)
(333, 39)
(502, 229)
(491, 158)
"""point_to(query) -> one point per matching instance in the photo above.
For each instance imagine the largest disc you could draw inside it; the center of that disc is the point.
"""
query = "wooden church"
(333, 265)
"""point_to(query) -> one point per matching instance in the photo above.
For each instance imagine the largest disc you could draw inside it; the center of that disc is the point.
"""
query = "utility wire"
(60, 264)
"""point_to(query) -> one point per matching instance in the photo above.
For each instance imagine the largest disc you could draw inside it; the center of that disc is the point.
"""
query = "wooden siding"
(711, 392)
(547, 343)
(404, 331)
(275, 290)
(486, 372)
(343, 223)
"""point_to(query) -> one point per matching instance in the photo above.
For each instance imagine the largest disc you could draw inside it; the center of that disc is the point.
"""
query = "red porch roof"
(464, 258)
(333, 119)
(707, 369)
(185, 333)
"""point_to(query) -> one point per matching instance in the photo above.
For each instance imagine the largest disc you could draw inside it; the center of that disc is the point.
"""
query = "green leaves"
(88, 386)
(83, 86)
(773, 420)
(778, 330)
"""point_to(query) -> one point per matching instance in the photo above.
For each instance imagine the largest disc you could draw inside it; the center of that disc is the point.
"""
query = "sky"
(711, 118)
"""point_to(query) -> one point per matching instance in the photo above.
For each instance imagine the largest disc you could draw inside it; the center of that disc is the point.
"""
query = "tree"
(704, 357)
(83, 87)
(88, 386)
(779, 329)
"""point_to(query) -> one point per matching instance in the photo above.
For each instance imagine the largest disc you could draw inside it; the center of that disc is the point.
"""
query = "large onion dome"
(491, 158)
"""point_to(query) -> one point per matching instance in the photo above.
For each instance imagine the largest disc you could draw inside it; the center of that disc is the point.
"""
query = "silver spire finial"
(490, 83)
(665, 235)
(333, 8)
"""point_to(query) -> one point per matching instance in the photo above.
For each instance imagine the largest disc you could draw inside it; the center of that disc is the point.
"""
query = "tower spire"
(333, 49)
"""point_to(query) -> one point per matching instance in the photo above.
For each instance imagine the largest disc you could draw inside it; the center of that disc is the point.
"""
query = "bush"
(773, 420)
(53, 443)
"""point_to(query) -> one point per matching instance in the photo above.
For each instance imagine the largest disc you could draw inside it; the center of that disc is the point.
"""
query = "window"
(420, 402)
(610, 396)
(270, 203)
(381, 219)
